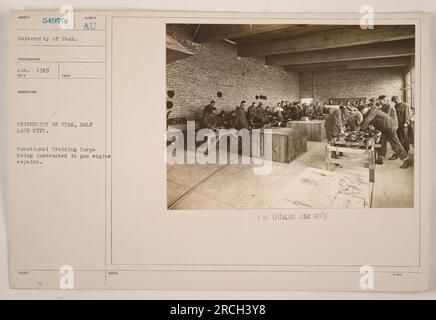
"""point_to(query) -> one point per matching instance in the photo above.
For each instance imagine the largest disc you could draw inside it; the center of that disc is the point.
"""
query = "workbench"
(313, 129)
(363, 154)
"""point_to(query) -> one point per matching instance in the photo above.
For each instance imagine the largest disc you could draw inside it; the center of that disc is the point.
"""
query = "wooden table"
(313, 129)
(363, 153)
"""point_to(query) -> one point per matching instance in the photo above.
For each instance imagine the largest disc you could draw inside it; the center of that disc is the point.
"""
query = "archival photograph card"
(219, 151)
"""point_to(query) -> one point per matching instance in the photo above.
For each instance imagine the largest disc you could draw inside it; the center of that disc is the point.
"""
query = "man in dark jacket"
(404, 115)
(325, 108)
(318, 109)
(353, 118)
(208, 118)
(250, 113)
(384, 123)
(372, 103)
(221, 120)
(335, 125)
(231, 120)
(390, 110)
(259, 116)
(241, 117)
(308, 110)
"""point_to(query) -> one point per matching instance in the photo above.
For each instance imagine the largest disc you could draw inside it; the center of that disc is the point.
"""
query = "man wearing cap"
(220, 120)
(325, 108)
(241, 117)
(279, 112)
(318, 109)
(308, 110)
(250, 113)
(384, 123)
(208, 119)
(372, 103)
(335, 124)
(404, 114)
(353, 118)
(259, 115)
(390, 110)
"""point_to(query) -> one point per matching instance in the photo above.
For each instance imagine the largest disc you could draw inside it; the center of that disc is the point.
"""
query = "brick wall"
(367, 83)
(215, 67)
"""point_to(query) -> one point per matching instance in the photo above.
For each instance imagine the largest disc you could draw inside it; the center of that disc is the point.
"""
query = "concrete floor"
(234, 186)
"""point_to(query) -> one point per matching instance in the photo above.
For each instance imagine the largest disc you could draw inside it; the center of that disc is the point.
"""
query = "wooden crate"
(313, 129)
(287, 144)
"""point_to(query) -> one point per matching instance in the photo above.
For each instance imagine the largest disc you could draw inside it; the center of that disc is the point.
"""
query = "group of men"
(296, 110)
(235, 119)
(392, 121)
(256, 115)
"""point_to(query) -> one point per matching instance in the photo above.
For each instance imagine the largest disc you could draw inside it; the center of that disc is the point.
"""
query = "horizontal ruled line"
(38, 61)
(59, 45)
(60, 78)
(33, 29)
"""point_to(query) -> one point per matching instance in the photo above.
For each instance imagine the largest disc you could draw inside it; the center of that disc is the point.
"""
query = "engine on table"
(363, 136)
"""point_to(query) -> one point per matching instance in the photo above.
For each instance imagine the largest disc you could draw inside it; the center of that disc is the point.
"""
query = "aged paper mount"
(88, 202)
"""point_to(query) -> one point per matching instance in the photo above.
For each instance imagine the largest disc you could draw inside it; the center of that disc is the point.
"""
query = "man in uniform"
(278, 111)
(325, 108)
(318, 109)
(372, 103)
(404, 115)
(390, 110)
(308, 110)
(259, 116)
(353, 118)
(335, 126)
(384, 123)
(386, 107)
(241, 117)
(221, 120)
(250, 113)
(294, 113)
(208, 119)
(231, 119)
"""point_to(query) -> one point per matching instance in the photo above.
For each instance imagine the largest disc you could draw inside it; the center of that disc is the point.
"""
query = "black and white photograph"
(283, 116)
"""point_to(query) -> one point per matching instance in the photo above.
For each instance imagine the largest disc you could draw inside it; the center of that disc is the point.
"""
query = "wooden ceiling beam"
(291, 30)
(350, 65)
(212, 32)
(372, 51)
(337, 38)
